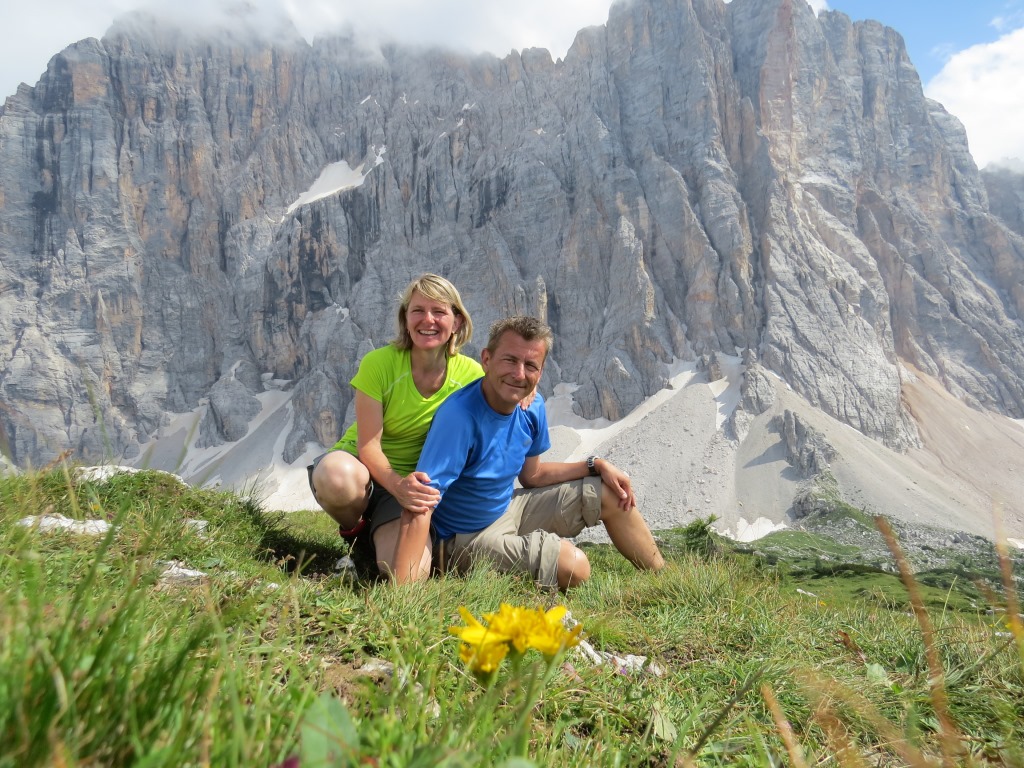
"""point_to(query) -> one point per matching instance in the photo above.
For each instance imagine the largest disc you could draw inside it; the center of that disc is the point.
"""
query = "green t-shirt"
(385, 374)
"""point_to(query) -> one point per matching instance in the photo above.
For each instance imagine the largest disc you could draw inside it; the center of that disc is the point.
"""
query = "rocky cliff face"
(183, 219)
(1005, 189)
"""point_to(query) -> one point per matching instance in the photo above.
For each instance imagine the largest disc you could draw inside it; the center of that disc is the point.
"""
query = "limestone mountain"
(190, 219)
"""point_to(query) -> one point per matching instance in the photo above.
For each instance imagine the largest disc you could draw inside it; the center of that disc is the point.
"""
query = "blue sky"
(969, 53)
(936, 29)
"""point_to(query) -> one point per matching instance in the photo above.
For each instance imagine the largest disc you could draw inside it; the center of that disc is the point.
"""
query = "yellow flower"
(512, 629)
(534, 628)
(484, 658)
(483, 649)
(513, 623)
(550, 636)
(475, 633)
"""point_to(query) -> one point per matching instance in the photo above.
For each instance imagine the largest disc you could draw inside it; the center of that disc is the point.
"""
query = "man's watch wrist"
(592, 469)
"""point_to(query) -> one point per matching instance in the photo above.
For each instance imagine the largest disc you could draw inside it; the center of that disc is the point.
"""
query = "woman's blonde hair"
(436, 288)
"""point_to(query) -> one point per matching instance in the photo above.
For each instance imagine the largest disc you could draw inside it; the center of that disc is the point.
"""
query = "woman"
(369, 476)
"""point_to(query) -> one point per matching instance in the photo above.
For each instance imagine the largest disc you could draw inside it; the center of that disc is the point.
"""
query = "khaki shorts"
(528, 536)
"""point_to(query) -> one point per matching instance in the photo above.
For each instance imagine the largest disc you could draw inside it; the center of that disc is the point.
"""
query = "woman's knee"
(340, 485)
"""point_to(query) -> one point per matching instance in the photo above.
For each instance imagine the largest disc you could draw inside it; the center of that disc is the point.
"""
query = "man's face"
(512, 372)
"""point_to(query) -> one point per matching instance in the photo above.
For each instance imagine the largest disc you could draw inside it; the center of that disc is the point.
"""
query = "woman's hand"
(415, 495)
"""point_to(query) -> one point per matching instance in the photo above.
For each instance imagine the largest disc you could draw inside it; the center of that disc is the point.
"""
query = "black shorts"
(382, 507)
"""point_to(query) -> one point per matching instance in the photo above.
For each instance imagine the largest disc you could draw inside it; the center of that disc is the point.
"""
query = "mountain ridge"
(742, 178)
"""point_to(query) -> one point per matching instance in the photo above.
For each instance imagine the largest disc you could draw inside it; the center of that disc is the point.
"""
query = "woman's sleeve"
(371, 377)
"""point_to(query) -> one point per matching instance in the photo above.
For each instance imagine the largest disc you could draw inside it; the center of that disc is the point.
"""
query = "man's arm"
(537, 474)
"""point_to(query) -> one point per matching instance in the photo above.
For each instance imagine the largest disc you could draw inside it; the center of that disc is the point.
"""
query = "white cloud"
(981, 85)
(470, 25)
(267, 17)
(37, 30)
(1009, 21)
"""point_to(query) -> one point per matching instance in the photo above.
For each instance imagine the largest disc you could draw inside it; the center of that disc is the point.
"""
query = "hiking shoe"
(363, 554)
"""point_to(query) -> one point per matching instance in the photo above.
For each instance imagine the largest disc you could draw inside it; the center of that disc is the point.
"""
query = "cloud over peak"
(981, 85)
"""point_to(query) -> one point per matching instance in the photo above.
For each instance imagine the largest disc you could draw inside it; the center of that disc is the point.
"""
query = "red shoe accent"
(358, 528)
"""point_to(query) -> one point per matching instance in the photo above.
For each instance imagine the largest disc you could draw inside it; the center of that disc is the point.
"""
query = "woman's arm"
(412, 492)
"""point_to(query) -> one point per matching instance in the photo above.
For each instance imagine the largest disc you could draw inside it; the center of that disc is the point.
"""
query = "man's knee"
(550, 559)
(610, 506)
(573, 566)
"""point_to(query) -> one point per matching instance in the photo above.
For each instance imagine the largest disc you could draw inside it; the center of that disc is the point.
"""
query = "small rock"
(178, 575)
(377, 667)
(49, 523)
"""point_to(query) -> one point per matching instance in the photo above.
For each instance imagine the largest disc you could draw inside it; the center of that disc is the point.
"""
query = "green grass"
(102, 663)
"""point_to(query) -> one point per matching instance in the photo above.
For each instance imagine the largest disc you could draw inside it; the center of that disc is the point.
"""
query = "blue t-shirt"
(473, 455)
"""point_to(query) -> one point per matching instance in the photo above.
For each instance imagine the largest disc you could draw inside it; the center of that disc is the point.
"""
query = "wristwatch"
(590, 466)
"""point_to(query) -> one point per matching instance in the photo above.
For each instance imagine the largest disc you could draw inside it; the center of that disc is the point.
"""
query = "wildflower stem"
(936, 673)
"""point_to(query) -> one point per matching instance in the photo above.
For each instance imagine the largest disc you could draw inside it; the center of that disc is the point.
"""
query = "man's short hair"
(529, 328)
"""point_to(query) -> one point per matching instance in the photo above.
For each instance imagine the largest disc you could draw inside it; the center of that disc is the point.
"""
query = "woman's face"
(430, 323)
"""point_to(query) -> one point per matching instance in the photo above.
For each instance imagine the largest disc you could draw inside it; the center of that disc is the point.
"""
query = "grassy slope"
(101, 663)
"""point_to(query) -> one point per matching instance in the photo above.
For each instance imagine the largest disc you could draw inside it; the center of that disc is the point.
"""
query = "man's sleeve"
(538, 416)
(447, 449)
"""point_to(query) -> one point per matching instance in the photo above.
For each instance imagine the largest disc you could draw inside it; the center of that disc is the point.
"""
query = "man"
(481, 440)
